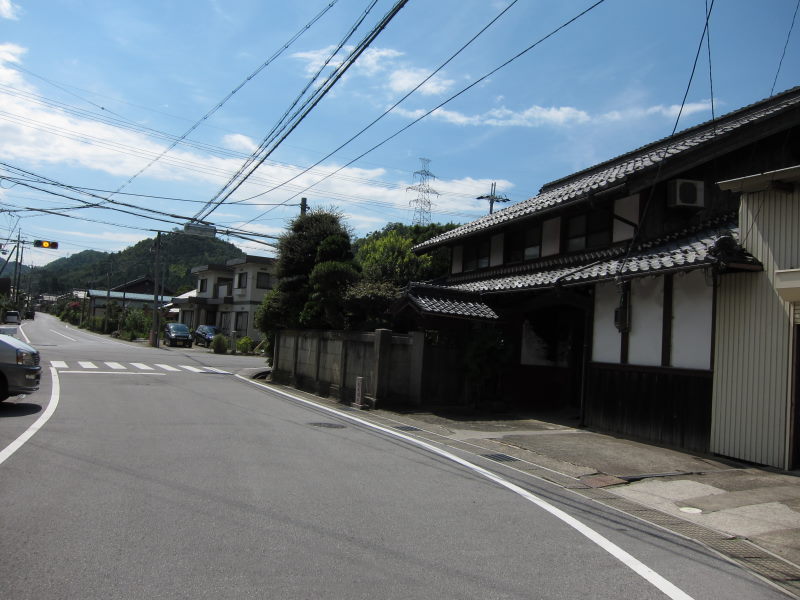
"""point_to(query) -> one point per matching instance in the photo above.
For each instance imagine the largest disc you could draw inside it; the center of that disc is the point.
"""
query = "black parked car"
(177, 333)
(204, 334)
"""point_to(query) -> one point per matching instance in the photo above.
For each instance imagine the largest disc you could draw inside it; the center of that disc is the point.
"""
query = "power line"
(283, 122)
(280, 51)
(637, 230)
(322, 92)
(786, 45)
(459, 93)
(387, 111)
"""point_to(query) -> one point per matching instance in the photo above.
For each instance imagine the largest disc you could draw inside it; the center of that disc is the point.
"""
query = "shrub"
(245, 345)
(219, 344)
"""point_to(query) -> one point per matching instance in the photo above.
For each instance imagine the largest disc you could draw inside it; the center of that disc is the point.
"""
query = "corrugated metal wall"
(750, 404)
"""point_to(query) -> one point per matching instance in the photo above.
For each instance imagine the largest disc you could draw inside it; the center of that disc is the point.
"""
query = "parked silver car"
(20, 372)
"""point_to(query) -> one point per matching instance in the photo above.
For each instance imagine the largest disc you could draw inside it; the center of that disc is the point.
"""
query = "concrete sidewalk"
(747, 513)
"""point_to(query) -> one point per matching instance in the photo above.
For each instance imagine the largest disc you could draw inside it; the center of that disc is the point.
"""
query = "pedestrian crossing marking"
(220, 371)
(134, 368)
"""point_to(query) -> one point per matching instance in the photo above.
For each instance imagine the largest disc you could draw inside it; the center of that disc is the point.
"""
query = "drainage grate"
(407, 428)
(328, 425)
(500, 457)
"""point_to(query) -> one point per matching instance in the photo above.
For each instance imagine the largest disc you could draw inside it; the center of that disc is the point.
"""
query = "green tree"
(315, 267)
(389, 265)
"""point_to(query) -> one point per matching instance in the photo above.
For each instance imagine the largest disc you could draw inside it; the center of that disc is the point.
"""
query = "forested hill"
(179, 253)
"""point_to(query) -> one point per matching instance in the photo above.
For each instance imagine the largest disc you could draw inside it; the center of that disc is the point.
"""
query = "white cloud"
(659, 110)
(405, 80)
(370, 63)
(535, 116)
(239, 142)
(375, 60)
(538, 116)
(10, 53)
(9, 10)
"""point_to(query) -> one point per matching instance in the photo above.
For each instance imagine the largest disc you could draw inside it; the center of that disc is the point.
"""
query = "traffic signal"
(45, 244)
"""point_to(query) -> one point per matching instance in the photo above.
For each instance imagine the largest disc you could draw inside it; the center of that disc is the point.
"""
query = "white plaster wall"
(692, 314)
(496, 256)
(605, 337)
(551, 236)
(647, 317)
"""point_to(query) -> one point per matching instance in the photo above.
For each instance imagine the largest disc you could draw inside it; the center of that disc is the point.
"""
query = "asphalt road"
(160, 474)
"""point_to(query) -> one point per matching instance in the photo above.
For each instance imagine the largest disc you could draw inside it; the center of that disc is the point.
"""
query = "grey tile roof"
(685, 253)
(615, 171)
(434, 300)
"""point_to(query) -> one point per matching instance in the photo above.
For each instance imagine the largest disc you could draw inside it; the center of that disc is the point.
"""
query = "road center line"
(638, 567)
(39, 423)
(65, 336)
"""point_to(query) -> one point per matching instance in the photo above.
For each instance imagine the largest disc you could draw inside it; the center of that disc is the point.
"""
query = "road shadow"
(18, 409)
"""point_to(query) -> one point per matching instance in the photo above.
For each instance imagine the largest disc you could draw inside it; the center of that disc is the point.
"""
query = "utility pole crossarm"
(492, 197)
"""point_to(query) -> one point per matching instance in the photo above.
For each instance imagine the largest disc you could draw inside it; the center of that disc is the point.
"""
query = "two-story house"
(229, 294)
(606, 284)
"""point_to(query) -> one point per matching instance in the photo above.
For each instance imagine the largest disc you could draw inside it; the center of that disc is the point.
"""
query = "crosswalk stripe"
(116, 366)
(166, 367)
(191, 368)
(58, 364)
(213, 370)
(142, 366)
(86, 364)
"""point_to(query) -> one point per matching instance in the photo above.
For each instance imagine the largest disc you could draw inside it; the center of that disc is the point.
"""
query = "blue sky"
(92, 91)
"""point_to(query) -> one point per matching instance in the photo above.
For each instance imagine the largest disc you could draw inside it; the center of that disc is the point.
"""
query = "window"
(241, 280)
(263, 280)
(524, 244)
(476, 255)
(591, 230)
(224, 321)
(202, 285)
(241, 324)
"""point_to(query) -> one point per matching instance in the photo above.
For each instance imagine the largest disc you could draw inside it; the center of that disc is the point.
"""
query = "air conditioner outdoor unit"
(685, 192)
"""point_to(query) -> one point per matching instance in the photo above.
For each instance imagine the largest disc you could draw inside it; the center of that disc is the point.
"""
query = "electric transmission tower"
(422, 203)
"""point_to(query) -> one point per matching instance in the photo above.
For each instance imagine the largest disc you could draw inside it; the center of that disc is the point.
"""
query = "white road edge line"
(62, 335)
(638, 567)
(39, 423)
(27, 341)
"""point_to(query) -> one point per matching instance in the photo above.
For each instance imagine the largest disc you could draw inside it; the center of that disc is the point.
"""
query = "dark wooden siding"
(671, 407)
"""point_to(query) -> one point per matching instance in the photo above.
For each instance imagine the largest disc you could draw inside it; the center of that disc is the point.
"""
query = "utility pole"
(303, 206)
(492, 197)
(422, 203)
(17, 270)
(155, 330)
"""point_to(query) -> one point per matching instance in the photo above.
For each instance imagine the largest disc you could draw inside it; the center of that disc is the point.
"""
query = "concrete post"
(382, 366)
(295, 350)
(276, 344)
(416, 367)
(343, 370)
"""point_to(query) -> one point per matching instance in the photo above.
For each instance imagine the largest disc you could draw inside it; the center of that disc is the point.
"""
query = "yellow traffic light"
(45, 244)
